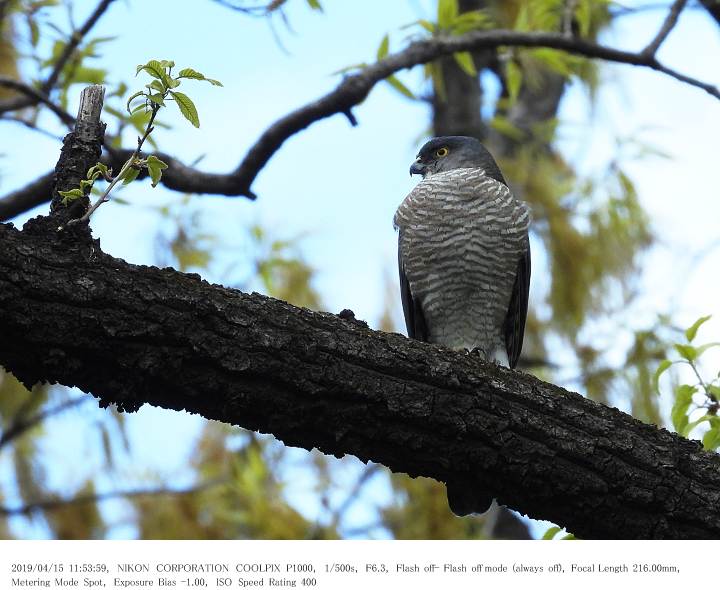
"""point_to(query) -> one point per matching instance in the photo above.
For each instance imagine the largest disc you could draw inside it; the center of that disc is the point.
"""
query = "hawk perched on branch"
(464, 256)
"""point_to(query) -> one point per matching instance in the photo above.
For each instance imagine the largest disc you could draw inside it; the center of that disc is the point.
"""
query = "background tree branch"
(31, 99)
(352, 91)
(59, 503)
(132, 335)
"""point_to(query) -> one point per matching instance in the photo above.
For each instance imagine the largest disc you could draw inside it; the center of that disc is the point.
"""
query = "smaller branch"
(667, 26)
(32, 126)
(713, 9)
(262, 10)
(568, 17)
(43, 505)
(31, 97)
(23, 425)
(75, 40)
(37, 96)
(366, 475)
(23, 199)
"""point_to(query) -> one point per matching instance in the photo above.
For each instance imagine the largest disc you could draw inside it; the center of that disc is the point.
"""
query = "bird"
(464, 259)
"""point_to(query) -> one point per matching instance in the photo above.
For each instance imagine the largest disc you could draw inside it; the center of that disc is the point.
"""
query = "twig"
(75, 40)
(667, 26)
(262, 10)
(126, 166)
(713, 8)
(93, 498)
(32, 126)
(22, 425)
(365, 476)
(37, 97)
(568, 16)
(46, 87)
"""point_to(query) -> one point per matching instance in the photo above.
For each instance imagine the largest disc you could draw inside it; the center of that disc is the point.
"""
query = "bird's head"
(441, 154)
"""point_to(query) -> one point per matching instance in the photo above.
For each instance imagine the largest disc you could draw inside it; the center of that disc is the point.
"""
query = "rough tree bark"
(71, 314)
(81, 149)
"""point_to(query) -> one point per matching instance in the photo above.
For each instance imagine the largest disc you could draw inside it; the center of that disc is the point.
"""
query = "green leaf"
(689, 353)
(691, 332)
(701, 349)
(187, 107)
(465, 61)
(346, 69)
(153, 67)
(96, 171)
(190, 73)
(513, 75)
(434, 71)
(470, 21)
(315, 5)
(692, 425)
(157, 69)
(133, 97)
(130, 174)
(195, 75)
(70, 195)
(683, 399)
(582, 15)
(447, 13)
(157, 99)
(155, 167)
(426, 24)
(89, 75)
(504, 126)
(522, 21)
(550, 533)
(662, 367)
(34, 31)
(558, 61)
(400, 87)
(711, 439)
(384, 47)
(157, 86)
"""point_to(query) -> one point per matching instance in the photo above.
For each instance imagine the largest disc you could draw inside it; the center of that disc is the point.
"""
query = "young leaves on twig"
(160, 89)
(701, 399)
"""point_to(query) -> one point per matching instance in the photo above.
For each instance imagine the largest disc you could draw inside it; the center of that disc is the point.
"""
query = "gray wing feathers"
(514, 327)
(414, 318)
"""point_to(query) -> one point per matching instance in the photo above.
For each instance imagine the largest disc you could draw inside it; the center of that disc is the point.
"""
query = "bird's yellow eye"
(442, 152)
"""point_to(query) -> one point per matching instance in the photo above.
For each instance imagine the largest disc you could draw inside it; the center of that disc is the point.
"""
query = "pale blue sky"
(341, 185)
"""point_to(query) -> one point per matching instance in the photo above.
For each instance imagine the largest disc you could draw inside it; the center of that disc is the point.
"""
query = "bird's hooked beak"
(418, 168)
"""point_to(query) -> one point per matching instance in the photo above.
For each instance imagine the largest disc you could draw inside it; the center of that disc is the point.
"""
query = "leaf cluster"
(690, 399)
(99, 170)
(164, 87)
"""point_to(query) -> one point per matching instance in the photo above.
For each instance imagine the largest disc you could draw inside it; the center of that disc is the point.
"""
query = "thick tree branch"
(131, 335)
(352, 91)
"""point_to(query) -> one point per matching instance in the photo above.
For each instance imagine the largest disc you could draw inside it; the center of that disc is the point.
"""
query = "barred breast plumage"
(462, 234)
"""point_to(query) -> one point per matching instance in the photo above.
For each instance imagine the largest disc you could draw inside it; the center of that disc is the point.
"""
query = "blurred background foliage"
(234, 485)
